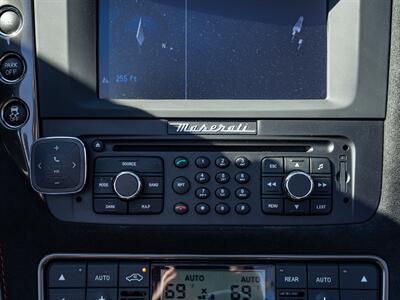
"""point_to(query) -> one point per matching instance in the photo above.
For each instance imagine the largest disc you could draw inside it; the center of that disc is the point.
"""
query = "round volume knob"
(127, 185)
(299, 185)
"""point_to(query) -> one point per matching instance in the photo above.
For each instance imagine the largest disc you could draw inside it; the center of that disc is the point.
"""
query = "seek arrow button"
(272, 185)
(322, 186)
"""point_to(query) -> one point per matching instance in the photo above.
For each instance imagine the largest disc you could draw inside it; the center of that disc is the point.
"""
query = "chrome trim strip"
(266, 258)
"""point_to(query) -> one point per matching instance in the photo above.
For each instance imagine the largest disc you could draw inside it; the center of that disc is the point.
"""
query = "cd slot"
(233, 146)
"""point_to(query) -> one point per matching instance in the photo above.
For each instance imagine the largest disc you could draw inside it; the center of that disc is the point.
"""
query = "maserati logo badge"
(212, 128)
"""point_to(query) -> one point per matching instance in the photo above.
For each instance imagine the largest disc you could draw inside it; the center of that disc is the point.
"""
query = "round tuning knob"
(299, 185)
(127, 185)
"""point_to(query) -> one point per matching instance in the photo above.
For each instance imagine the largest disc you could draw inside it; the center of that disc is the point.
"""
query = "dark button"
(242, 162)
(202, 193)
(181, 185)
(202, 162)
(153, 185)
(98, 146)
(222, 177)
(272, 185)
(10, 21)
(181, 208)
(222, 193)
(359, 295)
(202, 177)
(181, 162)
(67, 294)
(101, 294)
(202, 208)
(222, 209)
(320, 166)
(322, 186)
(138, 164)
(67, 275)
(134, 275)
(323, 295)
(272, 165)
(273, 206)
(291, 276)
(222, 162)
(242, 208)
(297, 208)
(14, 114)
(321, 206)
(12, 68)
(242, 193)
(103, 185)
(242, 178)
(359, 277)
(323, 276)
(146, 206)
(297, 164)
(102, 274)
(110, 206)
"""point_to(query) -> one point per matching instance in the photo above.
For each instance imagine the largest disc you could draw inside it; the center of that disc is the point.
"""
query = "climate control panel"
(132, 277)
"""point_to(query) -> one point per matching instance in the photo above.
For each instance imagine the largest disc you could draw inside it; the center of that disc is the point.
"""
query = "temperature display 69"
(208, 284)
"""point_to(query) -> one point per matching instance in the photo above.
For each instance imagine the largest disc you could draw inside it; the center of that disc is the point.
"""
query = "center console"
(200, 113)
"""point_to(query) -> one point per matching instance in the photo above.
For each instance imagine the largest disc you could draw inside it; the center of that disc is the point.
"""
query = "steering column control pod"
(58, 165)
(299, 185)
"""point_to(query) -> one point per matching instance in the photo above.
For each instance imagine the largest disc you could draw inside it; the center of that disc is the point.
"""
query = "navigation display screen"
(214, 284)
(212, 49)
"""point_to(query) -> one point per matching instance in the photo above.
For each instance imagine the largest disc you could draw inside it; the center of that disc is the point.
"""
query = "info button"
(293, 276)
